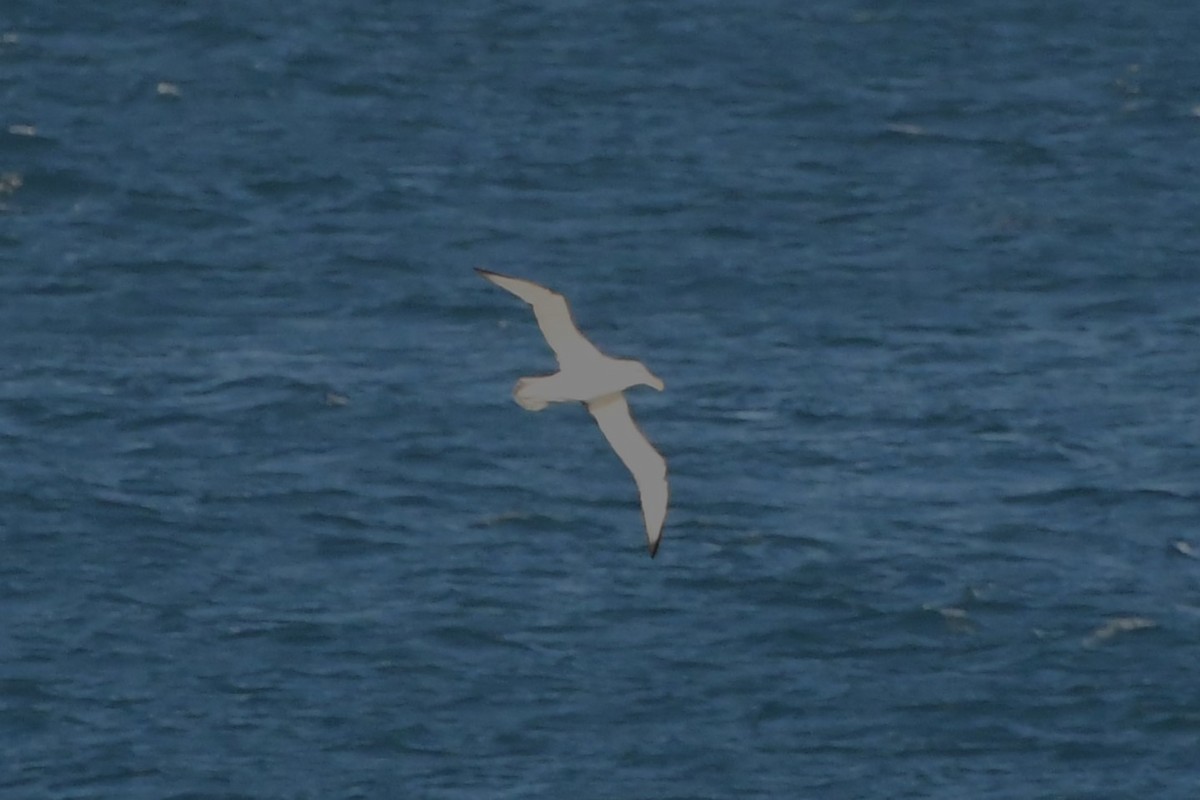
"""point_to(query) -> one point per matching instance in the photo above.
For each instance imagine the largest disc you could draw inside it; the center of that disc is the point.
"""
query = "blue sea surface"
(922, 279)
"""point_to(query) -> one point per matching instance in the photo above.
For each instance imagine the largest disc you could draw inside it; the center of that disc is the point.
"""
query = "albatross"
(586, 375)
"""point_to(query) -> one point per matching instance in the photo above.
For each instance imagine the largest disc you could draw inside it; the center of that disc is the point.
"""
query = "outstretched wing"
(648, 467)
(553, 317)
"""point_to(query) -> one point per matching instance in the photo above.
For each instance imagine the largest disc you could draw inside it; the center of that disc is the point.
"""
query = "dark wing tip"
(653, 546)
(487, 272)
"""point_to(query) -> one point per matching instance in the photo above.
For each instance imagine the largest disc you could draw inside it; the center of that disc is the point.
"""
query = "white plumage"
(588, 376)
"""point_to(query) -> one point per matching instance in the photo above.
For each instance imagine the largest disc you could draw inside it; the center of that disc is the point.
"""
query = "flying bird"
(599, 382)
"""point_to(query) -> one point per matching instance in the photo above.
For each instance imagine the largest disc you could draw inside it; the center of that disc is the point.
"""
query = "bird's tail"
(525, 395)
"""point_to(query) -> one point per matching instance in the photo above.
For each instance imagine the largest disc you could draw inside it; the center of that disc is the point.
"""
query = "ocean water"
(923, 281)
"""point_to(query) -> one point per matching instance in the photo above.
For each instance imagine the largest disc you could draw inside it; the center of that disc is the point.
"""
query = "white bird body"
(579, 382)
(588, 376)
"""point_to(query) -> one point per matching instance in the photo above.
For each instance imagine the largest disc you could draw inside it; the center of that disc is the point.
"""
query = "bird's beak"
(657, 383)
